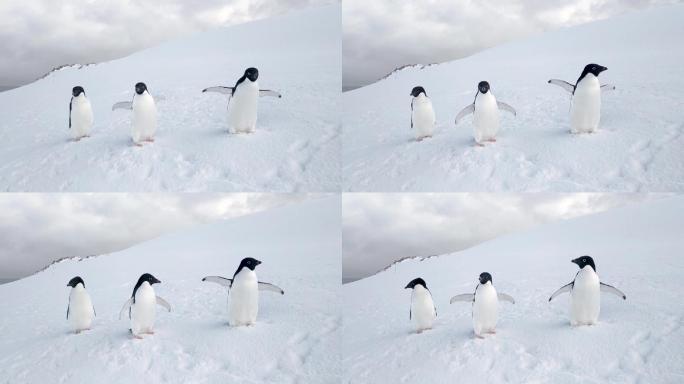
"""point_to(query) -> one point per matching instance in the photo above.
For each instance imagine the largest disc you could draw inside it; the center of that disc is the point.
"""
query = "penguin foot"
(137, 337)
(479, 144)
(492, 140)
(479, 336)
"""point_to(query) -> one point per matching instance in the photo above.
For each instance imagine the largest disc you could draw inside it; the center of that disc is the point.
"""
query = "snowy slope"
(638, 249)
(638, 147)
(295, 340)
(296, 145)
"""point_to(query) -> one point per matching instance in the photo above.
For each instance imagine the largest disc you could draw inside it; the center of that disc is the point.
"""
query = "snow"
(296, 145)
(637, 249)
(637, 148)
(295, 340)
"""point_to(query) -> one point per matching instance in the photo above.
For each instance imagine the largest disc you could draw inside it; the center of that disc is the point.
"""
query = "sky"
(382, 35)
(378, 229)
(39, 35)
(37, 229)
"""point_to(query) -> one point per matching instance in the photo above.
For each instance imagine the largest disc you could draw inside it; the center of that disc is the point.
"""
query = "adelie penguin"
(80, 114)
(485, 305)
(485, 110)
(243, 295)
(144, 114)
(242, 101)
(142, 306)
(585, 293)
(422, 311)
(422, 114)
(80, 310)
(585, 109)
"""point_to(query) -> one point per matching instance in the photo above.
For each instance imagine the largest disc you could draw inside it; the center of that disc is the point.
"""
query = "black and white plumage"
(485, 303)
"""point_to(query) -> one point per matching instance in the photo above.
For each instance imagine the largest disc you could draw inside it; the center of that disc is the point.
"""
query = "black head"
(483, 86)
(414, 282)
(247, 262)
(485, 277)
(584, 261)
(252, 73)
(143, 278)
(140, 88)
(75, 281)
(417, 91)
(594, 69)
(77, 90)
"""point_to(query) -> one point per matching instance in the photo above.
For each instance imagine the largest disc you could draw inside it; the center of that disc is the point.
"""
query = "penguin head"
(77, 91)
(583, 261)
(249, 262)
(139, 89)
(414, 282)
(483, 86)
(147, 277)
(485, 277)
(252, 73)
(594, 69)
(75, 281)
(417, 91)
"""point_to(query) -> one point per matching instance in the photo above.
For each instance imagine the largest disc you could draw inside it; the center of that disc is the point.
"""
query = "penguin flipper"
(70, 102)
(164, 303)
(570, 88)
(506, 297)
(610, 289)
(505, 107)
(126, 306)
(467, 297)
(220, 89)
(219, 280)
(566, 288)
(270, 287)
(268, 92)
(607, 87)
(123, 105)
(464, 112)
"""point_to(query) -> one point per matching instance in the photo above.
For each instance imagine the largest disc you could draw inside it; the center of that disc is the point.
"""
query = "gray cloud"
(36, 229)
(39, 35)
(382, 35)
(381, 228)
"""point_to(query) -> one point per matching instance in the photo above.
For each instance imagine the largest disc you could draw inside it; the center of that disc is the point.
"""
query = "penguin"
(80, 310)
(422, 311)
(141, 306)
(422, 114)
(485, 110)
(144, 114)
(485, 305)
(80, 114)
(585, 293)
(242, 101)
(243, 295)
(585, 108)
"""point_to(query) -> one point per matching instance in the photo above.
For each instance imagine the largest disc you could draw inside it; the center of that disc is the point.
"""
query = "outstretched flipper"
(268, 92)
(613, 290)
(607, 87)
(164, 303)
(467, 297)
(566, 288)
(464, 112)
(219, 280)
(570, 88)
(505, 107)
(270, 287)
(505, 297)
(123, 105)
(126, 306)
(220, 89)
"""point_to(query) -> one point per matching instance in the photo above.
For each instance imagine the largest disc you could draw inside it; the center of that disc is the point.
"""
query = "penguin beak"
(575, 261)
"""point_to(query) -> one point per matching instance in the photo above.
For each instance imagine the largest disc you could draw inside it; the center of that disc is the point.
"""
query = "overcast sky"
(381, 35)
(381, 228)
(36, 229)
(38, 35)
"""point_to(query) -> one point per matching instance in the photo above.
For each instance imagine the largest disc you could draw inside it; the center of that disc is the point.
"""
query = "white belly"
(585, 112)
(422, 308)
(144, 117)
(423, 117)
(244, 298)
(242, 109)
(80, 309)
(586, 298)
(486, 118)
(143, 312)
(485, 309)
(81, 117)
